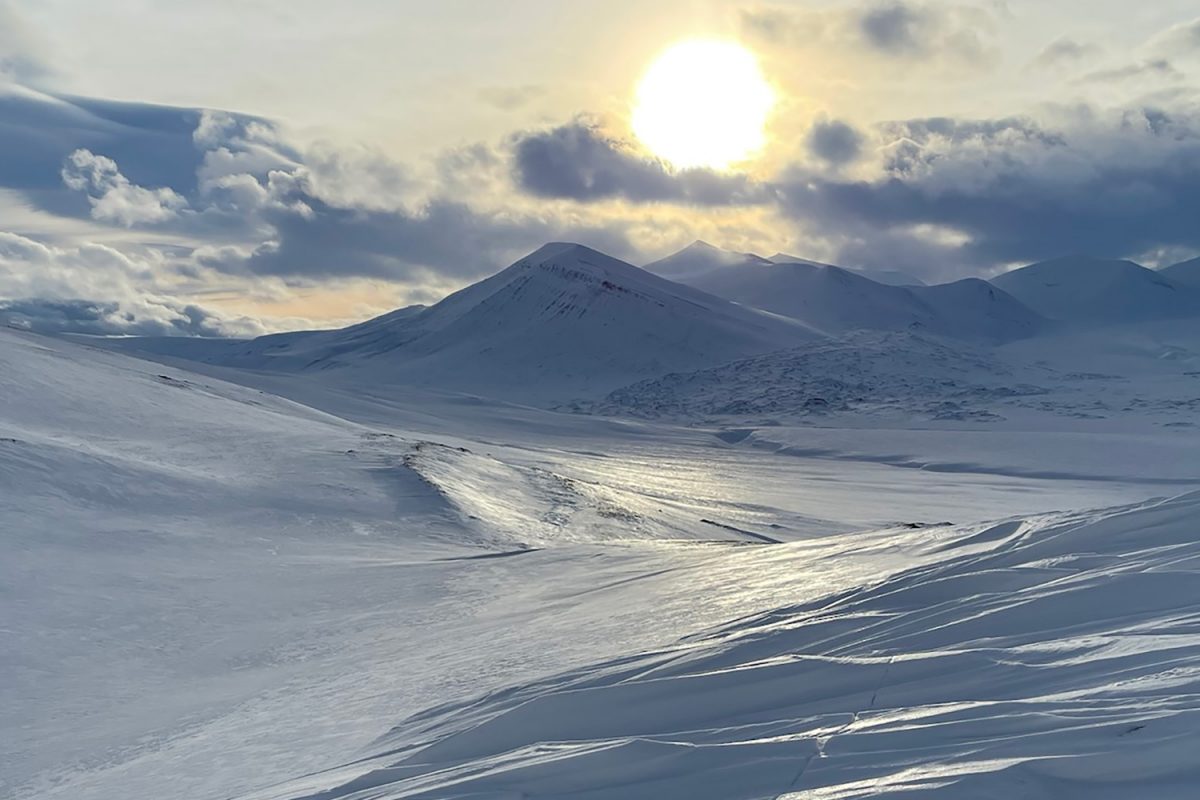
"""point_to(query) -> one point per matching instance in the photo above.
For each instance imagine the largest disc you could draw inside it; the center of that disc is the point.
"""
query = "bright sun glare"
(703, 104)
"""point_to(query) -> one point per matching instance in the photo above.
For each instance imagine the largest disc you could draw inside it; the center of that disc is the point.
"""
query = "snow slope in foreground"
(209, 590)
(1050, 657)
(178, 549)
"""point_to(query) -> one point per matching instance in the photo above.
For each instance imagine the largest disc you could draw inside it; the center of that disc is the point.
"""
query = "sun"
(703, 103)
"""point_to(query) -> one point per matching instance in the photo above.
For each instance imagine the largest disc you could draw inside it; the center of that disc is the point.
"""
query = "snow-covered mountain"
(700, 257)
(1185, 273)
(564, 321)
(1080, 289)
(836, 300)
(898, 374)
(891, 277)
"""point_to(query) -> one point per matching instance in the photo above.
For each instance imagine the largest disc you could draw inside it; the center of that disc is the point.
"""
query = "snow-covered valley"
(581, 532)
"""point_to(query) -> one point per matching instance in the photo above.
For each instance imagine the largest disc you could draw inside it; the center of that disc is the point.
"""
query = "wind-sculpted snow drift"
(742, 584)
(1051, 657)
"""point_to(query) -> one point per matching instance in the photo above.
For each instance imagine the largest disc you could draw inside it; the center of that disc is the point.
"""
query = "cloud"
(1152, 68)
(1064, 51)
(232, 201)
(444, 238)
(1183, 38)
(24, 56)
(97, 289)
(144, 318)
(511, 98)
(916, 30)
(895, 30)
(236, 201)
(578, 161)
(113, 198)
(983, 193)
(834, 142)
(957, 131)
(153, 145)
(339, 212)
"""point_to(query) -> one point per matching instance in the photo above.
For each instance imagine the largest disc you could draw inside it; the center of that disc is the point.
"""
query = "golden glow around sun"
(703, 103)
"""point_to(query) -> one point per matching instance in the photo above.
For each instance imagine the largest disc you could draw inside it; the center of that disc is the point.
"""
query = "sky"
(233, 168)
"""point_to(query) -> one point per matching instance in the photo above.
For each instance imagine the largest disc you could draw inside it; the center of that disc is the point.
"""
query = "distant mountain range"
(1101, 291)
(701, 257)
(568, 322)
(563, 321)
(837, 300)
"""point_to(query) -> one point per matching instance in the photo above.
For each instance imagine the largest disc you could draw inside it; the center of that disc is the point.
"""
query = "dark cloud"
(916, 33)
(316, 239)
(1010, 191)
(578, 162)
(1062, 51)
(152, 145)
(897, 28)
(915, 142)
(961, 131)
(445, 238)
(901, 29)
(108, 318)
(255, 204)
(834, 142)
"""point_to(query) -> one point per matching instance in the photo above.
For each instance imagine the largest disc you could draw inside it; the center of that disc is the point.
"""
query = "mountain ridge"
(1088, 290)
(565, 319)
(837, 300)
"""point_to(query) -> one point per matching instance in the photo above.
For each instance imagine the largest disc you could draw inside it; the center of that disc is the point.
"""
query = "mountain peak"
(563, 251)
(784, 258)
(1085, 261)
(700, 257)
(1098, 290)
(701, 247)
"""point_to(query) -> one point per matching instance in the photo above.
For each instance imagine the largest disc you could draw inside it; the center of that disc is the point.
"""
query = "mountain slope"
(1186, 273)
(697, 259)
(900, 375)
(700, 258)
(836, 300)
(562, 322)
(1094, 290)
(890, 277)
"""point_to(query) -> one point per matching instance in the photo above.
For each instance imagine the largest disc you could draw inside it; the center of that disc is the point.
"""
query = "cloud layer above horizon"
(129, 217)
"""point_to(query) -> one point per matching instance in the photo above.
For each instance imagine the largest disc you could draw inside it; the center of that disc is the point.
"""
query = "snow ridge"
(1047, 657)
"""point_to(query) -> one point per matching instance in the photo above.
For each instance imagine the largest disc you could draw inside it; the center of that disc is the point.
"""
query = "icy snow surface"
(745, 561)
